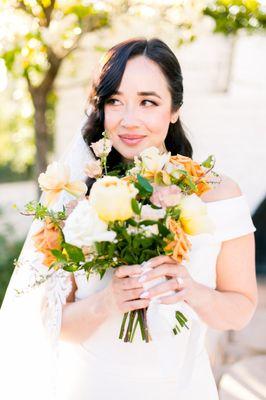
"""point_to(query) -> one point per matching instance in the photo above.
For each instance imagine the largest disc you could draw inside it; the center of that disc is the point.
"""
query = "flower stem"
(122, 329)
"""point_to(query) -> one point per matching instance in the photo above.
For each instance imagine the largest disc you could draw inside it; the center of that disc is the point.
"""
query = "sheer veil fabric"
(30, 322)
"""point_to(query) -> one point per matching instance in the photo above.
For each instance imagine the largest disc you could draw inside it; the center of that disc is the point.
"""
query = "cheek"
(158, 123)
(110, 119)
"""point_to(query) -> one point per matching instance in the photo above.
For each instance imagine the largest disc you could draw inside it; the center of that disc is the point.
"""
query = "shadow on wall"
(259, 220)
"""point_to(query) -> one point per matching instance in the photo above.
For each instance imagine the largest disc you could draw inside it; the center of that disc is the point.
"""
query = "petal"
(77, 188)
(51, 197)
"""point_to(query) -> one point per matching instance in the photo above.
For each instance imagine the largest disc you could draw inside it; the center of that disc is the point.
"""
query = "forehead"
(143, 74)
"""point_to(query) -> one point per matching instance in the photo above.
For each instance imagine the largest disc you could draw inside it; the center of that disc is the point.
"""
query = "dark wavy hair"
(109, 81)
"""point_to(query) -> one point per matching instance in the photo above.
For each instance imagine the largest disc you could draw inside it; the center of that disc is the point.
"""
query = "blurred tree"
(38, 35)
(232, 17)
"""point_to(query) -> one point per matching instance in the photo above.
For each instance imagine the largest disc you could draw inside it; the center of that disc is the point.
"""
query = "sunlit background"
(49, 53)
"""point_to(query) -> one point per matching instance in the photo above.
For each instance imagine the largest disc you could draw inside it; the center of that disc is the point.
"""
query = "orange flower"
(180, 246)
(195, 170)
(49, 237)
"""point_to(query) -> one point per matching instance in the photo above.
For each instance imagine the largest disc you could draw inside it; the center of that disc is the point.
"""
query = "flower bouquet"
(131, 215)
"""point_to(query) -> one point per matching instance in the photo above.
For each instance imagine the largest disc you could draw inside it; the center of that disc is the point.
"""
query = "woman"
(137, 100)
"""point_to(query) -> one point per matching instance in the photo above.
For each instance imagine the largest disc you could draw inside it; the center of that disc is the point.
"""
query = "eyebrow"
(142, 93)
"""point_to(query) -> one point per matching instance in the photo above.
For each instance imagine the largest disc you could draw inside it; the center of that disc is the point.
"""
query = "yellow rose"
(56, 179)
(111, 198)
(194, 217)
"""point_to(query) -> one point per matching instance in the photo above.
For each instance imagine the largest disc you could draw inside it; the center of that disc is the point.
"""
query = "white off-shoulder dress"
(173, 368)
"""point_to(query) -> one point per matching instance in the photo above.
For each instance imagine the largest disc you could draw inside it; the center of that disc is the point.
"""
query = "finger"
(127, 270)
(155, 261)
(132, 294)
(135, 304)
(180, 296)
(164, 270)
(129, 283)
(171, 284)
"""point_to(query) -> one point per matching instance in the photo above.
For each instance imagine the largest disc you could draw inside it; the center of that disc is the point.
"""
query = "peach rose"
(94, 169)
(49, 237)
(56, 179)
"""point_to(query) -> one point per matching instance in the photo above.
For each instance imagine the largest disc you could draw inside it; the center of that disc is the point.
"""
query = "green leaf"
(145, 184)
(59, 255)
(70, 267)
(132, 222)
(75, 253)
(135, 206)
(163, 230)
(208, 163)
(148, 222)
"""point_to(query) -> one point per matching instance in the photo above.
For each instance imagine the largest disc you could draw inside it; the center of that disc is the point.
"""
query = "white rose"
(102, 148)
(152, 160)
(83, 227)
(147, 212)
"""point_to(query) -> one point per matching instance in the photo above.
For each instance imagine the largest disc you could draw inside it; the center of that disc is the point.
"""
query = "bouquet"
(138, 211)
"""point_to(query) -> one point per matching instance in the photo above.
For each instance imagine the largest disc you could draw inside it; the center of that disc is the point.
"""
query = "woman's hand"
(124, 289)
(178, 280)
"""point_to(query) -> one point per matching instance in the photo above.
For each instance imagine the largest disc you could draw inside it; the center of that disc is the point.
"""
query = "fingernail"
(144, 295)
(142, 278)
(146, 264)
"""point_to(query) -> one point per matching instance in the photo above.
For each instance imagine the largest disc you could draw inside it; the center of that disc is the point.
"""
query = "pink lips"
(131, 140)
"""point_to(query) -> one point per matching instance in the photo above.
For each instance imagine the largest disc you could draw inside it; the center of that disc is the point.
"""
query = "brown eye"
(150, 102)
(111, 101)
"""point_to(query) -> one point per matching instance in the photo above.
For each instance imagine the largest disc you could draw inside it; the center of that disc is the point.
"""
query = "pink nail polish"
(144, 295)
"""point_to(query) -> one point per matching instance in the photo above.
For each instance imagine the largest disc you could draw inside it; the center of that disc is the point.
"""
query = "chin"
(129, 152)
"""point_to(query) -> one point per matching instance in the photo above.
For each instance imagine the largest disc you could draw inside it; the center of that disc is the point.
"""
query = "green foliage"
(209, 162)
(144, 187)
(232, 15)
(9, 251)
(51, 29)
(40, 211)
(17, 159)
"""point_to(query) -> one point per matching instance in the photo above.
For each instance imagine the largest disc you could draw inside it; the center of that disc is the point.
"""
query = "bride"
(136, 99)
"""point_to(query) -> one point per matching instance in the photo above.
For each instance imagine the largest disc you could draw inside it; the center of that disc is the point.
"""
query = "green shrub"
(9, 251)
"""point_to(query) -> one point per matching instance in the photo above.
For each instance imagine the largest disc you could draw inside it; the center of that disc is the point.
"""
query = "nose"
(129, 118)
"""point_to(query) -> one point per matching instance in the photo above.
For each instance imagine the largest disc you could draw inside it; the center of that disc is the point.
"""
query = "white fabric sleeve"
(232, 218)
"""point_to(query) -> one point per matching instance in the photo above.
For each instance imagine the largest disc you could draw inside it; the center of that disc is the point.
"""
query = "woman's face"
(138, 115)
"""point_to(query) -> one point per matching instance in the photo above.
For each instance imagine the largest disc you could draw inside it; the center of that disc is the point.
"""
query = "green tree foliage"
(232, 15)
(37, 36)
(9, 251)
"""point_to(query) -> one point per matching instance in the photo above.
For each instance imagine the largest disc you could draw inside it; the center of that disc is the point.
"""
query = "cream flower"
(147, 212)
(83, 227)
(56, 179)
(194, 217)
(102, 148)
(93, 169)
(111, 197)
(152, 160)
(172, 169)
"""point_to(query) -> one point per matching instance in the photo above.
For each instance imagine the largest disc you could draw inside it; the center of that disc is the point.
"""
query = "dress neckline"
(223, 200)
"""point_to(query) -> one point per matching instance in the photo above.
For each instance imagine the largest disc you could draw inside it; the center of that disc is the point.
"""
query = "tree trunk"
(41, 131)
(230, 65)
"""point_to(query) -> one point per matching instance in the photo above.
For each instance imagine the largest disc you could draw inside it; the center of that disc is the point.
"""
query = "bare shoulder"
(226, 189)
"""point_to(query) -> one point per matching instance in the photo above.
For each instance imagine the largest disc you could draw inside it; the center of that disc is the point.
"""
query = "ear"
(174, 117)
